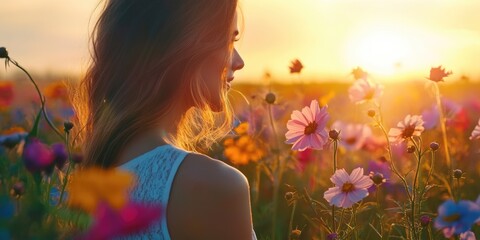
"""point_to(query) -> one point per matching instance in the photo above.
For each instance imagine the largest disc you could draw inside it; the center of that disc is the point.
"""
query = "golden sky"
(391, 39)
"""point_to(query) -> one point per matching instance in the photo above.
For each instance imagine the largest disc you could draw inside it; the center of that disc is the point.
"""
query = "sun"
(381, 52)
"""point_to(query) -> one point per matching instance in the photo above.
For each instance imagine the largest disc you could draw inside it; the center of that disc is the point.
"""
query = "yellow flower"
(242, 128)
(89, 187)
(242, 150)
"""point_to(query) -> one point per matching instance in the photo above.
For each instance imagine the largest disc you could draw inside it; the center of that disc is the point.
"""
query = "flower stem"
(290, 225)
(335, 149)
(70, 163)
(414, 188)
(42, 98)
(444, 137)
(279, 171)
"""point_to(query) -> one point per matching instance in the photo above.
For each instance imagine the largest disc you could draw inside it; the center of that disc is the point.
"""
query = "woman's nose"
(237, 61)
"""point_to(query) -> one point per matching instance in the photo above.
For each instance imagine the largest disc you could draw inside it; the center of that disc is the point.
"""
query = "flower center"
(348, 187)
(452, 218)
(310, 128)
(408, 131)
(370, 94)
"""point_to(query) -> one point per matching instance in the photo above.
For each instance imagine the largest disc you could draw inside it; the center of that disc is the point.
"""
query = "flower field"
(359, 159)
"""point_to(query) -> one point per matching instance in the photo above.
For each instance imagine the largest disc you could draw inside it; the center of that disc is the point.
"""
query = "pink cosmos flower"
(409, 127)
(348, 189)
(364, 90)
(476, 132)
(352, 136)
(306, 129)
(468, 235)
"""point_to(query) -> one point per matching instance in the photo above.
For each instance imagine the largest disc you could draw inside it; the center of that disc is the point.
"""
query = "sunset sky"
(390, 39)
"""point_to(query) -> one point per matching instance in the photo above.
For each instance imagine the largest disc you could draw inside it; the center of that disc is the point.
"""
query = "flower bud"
(270, 98)
(377, 178)
(425, 220)
(434, 146)
(411, 149)
(289, 196)
(457, 173)
(67, 126)
(295, 234)
(18, 189)
(3, 52)
(60, 153)
(332, 236)
(371, 113)
(333, 134)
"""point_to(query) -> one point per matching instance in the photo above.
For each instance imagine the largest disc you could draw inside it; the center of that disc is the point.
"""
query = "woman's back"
(203, 198)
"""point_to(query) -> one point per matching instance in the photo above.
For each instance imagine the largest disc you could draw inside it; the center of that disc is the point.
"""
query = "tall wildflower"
(306, 128)
(364, 90)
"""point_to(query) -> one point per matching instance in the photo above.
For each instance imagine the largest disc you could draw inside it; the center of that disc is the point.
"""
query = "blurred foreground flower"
(296, 66)
(437, 74)
(456, 218)
(411, 126)
(352, 136)
(130, 219)
(90, 187)
(6, 94)
(476, 132)
(348, 189)
(37, 156)
(242, 150)
(364, 90)
(306, 129)
(468, 235)
(13, 136)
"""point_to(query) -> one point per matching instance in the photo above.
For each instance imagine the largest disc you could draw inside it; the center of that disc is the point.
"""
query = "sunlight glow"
(379, 51)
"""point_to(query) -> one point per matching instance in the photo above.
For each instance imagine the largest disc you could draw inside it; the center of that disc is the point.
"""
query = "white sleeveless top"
(155, 171)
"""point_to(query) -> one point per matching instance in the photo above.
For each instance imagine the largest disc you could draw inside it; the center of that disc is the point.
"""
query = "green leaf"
(34, 131)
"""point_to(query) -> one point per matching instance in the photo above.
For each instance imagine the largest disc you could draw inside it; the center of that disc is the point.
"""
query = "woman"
(156, 85)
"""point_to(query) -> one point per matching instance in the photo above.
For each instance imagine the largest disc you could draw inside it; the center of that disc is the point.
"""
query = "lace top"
(155, 171)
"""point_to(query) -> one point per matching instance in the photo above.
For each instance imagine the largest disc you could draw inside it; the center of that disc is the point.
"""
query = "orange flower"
(6, 94)
(57, 90)
(358, 73)
(242, 150)
(13, 130)
(437, 74)
(242, 128)
(296, 66)
(90, 187)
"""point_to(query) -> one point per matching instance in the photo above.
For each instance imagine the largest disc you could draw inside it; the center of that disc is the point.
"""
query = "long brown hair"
(145, 55)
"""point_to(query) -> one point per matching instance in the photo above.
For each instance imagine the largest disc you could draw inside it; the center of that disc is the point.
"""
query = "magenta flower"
(364, 90)
(409, 127)
(476, 132)
(352, 136)
(306, 129)
(348, 189)
(60, 153)
(37, 156)
(468, 235)
(131, 219)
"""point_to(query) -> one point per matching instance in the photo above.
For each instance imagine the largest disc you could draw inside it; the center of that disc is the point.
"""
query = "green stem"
(279, 172)
(444, 137)
(42, 99)
(70, 163)
(392, 164)
(290, 225)
(414, 188)
(335, 149)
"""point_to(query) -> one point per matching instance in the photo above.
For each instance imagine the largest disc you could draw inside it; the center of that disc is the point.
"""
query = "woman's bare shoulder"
(208, 194)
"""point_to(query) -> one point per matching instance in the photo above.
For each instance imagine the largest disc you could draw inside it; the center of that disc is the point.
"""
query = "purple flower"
(60, 153)
(468, 235)
(348, 189)
(456, 218)
(37, 156)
